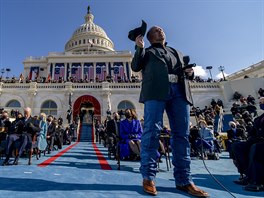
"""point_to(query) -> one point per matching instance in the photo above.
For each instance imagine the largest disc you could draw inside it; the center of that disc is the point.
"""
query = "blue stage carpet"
(77, 173)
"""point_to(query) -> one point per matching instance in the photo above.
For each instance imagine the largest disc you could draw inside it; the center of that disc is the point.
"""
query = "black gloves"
(132, 136)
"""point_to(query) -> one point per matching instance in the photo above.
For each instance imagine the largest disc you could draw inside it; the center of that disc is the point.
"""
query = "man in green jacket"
(164, 87)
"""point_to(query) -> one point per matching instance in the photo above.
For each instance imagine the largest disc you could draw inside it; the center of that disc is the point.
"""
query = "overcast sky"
(227, 33)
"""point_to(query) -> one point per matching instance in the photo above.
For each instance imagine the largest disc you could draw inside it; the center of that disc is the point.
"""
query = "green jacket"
(155, 80)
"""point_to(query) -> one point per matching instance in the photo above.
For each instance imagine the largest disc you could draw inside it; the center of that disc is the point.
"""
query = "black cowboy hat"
(132, 35)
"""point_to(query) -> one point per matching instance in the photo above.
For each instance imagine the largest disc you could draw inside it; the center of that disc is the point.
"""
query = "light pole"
(2, 71)
(209, 68)
(7, 71)
(222, 68)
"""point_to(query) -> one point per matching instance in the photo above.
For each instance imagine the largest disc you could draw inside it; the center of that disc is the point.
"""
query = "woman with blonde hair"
(41, 138)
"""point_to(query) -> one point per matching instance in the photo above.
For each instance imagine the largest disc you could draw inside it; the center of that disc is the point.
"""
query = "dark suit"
(112, 131)
(51, 133)
(112, 128)
(21, 130)
(31, 127)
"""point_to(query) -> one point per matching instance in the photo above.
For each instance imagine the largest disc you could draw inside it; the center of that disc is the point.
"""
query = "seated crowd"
(203, 138)
(74, 79)
(122, 135)
(246, 144)
(32, 133)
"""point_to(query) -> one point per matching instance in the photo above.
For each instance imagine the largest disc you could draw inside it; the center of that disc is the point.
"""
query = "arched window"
(13, 103)
(125, 104)
(49, 108)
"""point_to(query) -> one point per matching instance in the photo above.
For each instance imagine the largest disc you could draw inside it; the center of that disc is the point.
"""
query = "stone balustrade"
(102, 85)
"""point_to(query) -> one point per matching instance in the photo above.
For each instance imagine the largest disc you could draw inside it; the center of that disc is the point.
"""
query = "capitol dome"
(89, 37)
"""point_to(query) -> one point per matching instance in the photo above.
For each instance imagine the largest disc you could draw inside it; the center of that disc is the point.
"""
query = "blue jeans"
(178, 111)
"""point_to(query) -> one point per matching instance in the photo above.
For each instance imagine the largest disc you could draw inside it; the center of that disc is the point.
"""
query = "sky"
(228, 33)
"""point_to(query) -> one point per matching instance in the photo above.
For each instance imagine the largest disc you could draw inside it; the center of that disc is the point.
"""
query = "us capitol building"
(91, 75)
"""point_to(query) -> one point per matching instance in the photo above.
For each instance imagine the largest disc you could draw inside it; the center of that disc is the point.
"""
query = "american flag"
(100, 73)
(118, 71)
(100, 70)
(88, 73)
(59, 72)
(34, 72)
(76, 72)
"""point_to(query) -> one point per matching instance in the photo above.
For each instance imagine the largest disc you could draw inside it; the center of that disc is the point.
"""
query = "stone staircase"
(86, 133)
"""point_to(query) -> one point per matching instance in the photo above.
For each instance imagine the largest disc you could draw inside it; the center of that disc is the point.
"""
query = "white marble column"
(129, 71)
(94, 63)
(111, 67)
(104, 70)
(107, 69)
(125, 69)
(53, 70)
(65, 72)
(82, 74)
(48, 70)
(70, 66)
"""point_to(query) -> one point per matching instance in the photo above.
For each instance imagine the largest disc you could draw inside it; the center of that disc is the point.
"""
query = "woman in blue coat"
(130, 133)
(41, 138)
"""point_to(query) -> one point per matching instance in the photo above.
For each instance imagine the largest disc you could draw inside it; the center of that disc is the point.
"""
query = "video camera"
(186, 60)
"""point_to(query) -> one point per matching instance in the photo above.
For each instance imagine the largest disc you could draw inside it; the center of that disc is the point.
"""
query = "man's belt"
(173, 78)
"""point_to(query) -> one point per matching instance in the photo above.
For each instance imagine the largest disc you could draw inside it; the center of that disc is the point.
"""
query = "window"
(49, 107)
(125, 104)
(13, 103)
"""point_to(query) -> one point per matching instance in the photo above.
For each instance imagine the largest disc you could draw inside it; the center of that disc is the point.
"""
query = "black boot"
(5, 163)
(16, 161)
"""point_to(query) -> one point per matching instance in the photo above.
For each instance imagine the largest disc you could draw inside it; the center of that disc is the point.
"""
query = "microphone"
(186, 60)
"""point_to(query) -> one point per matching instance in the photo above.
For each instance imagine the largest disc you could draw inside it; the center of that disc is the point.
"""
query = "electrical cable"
(186, 60)
(205, 166)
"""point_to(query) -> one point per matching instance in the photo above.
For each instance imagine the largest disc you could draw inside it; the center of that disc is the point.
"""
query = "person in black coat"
(112, 132)
(24, 129)
(51, 133)
(30, 129)
(234, 134)
(14, 134)
(4, 125)
(248, 155)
